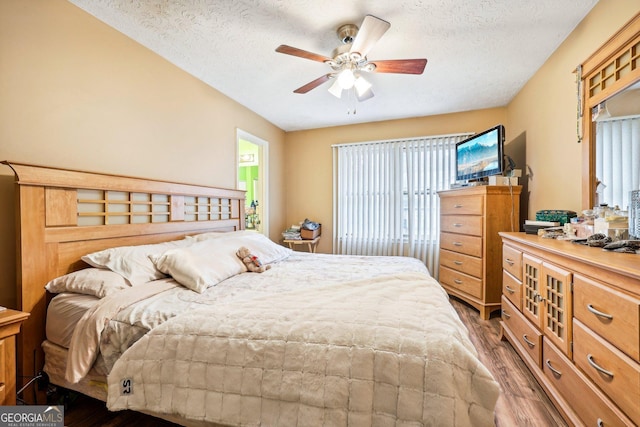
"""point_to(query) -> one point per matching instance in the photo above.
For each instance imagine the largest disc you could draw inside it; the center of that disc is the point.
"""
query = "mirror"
(616, 127)
(608, 82)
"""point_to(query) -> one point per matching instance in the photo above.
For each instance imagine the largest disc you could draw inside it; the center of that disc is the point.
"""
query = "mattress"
(94, 384)
(63, 314)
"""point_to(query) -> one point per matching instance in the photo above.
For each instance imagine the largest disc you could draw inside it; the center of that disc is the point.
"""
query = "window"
(385, 196)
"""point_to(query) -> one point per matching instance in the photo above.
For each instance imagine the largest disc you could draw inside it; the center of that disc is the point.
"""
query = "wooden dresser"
(470, 247)
(10, 321)
(573, 314)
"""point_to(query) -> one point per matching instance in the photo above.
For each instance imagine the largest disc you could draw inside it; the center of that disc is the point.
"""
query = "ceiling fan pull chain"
(351, 99)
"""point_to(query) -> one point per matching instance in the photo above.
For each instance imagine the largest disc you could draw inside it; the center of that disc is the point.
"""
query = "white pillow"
(132, 262)
(89, 281)
(260, 245)
(200, 265)
(220, 234)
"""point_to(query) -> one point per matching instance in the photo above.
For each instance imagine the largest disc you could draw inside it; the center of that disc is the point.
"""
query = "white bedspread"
(301, 270)
(383, 351)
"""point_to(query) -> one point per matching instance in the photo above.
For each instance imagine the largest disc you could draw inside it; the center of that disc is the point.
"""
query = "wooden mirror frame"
(608, 71)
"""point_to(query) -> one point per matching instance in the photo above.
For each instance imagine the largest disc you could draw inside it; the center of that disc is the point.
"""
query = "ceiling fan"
(349, 60)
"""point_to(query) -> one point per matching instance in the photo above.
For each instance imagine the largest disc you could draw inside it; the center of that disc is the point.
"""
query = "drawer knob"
(510, 289)
(552, 369)
(457, 224)
(457, 262)
(598, 367)
(505, 314)
(457, 244)
(526, 339)
(599, 313)
(457, 206)
(600, 423)
(509, 261)
(458, 281)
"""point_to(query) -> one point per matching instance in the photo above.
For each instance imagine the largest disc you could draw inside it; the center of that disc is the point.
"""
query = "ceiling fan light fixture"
(346, 78)
(361, 85)
(365, 95)
(335, 89)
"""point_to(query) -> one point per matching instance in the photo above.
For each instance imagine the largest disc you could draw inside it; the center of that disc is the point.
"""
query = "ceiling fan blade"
(289, 50)
(313, 84)
(400, 66)
(370, 31)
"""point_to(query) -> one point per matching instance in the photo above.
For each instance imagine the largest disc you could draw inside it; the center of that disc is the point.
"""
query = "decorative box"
(310, 234)
(561, 216)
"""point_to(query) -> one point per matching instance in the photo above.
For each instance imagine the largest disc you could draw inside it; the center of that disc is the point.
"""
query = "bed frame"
(64, 214)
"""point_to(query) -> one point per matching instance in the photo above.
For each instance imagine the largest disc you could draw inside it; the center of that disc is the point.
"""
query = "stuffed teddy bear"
(252, 262)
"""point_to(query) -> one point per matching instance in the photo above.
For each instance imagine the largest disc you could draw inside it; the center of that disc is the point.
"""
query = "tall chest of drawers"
(470, 247)
(573, 314)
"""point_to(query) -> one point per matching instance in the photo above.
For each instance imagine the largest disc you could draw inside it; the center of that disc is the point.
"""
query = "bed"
(192, 337)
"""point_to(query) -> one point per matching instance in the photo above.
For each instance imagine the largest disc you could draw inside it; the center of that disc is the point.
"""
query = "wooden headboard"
(64, 214)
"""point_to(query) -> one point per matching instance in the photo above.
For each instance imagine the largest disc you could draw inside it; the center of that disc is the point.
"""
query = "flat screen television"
(480, 155)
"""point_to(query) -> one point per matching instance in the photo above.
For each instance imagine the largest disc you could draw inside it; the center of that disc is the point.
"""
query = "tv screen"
(480, 155)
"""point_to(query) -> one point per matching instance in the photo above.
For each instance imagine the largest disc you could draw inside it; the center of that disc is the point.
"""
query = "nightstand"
(10, 321)
(311, 243)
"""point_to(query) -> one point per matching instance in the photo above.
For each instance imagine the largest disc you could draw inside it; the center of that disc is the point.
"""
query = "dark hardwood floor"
(522, 402)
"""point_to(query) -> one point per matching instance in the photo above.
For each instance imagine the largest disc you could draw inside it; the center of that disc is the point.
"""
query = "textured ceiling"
(480, 52)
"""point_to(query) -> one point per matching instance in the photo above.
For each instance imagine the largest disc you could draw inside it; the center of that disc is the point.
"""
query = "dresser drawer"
(463, 282)
(615, 373)
(4, 365)
(611, 314)
(589, 403)
(460, 262)
(469, 245)
(529, 338)
(462, 224)
(465, 205)
(512, 261)
(512, 289)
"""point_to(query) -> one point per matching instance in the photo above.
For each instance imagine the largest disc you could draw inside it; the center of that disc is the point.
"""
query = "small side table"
(10, 321)
(311, 244)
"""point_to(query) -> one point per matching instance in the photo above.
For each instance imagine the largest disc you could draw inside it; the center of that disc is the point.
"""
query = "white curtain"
(385, 196)
(618, 159)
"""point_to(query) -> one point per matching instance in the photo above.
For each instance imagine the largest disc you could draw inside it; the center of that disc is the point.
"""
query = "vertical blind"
(385, 196)
(618, 159)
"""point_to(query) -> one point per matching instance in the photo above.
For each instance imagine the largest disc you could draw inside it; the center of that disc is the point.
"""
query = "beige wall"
(545, 110)
(78, 94)
(309, 158)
